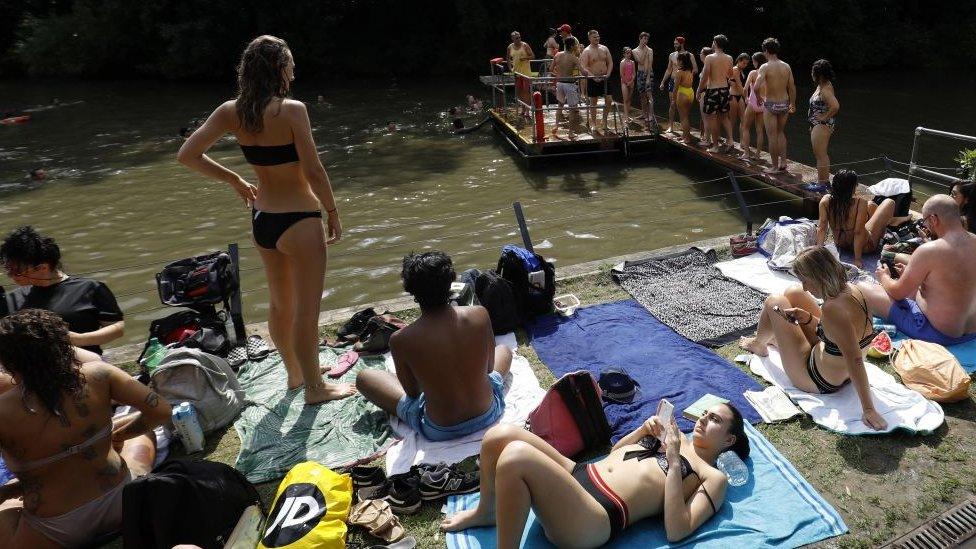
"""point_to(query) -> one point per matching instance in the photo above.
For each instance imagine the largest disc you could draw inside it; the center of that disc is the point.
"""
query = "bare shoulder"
(98, 371)
(293, 107)
(824, 200)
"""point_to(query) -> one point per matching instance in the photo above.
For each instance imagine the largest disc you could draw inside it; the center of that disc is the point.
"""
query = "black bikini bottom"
(268, 227)
(593, 483)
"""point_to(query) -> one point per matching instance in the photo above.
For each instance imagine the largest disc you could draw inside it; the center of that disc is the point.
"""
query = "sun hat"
(617, 386)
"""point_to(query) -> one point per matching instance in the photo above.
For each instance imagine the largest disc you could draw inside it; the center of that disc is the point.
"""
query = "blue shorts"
(911, 321)
(411, 411)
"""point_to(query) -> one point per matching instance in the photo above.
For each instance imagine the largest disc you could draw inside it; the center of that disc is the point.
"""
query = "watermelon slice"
(880, 346)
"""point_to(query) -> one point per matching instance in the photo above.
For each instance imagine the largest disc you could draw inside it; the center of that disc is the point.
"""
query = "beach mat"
(901, 407)
(522, 395)
(278, 431)
(685, 291)
(776, 507)
(623, 334)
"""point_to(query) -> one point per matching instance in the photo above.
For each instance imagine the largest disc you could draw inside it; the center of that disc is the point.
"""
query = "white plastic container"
(187, 427)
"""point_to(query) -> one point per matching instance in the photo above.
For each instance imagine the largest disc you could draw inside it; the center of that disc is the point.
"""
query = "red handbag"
(571, 417)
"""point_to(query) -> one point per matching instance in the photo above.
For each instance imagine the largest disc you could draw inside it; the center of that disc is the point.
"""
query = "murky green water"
(121, 207)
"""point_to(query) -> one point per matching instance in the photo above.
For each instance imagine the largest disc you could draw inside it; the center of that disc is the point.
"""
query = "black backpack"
(202, 280)
(514, 266)
(185, 501)
(210, 332)
(496, 294)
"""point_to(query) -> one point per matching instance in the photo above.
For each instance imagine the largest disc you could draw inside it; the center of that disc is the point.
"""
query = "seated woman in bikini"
(588, 504)
(71, 461)
(822, 347)
(857, 223)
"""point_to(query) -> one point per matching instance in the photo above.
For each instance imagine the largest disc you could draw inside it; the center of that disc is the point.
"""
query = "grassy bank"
(881, 485)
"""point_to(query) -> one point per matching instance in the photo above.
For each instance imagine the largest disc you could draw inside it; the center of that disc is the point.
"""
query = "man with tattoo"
(59, 439)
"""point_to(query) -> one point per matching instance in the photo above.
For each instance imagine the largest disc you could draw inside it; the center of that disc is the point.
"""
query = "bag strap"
(597, 416)
(569, 390)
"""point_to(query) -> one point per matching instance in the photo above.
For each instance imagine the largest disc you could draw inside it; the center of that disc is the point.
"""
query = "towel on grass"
(900, 406)
(522, 395)
(686, 292)
(623, 334)
(278, 431)
(800, 516)
(753, 271)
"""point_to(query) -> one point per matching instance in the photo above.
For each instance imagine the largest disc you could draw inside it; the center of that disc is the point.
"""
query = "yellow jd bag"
(932, 370)
(309, 510)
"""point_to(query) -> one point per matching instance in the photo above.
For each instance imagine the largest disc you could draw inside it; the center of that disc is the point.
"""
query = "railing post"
(520, 218)
(887, 164)
(743, 208)
(236, 309)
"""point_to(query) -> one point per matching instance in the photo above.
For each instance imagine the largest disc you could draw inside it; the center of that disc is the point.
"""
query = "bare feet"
(470, 518)
(770, 171)
(750, 344)
(715, 149)
(317, 394)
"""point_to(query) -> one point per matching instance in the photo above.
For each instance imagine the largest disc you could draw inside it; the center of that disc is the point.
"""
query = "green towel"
(278, 431)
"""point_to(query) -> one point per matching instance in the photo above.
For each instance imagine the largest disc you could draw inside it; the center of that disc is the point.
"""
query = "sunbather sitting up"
(933, 298)
(822, 347)
(588, 504)
(449, 372)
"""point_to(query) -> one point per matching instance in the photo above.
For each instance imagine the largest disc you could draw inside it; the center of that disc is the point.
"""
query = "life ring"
(22, 119)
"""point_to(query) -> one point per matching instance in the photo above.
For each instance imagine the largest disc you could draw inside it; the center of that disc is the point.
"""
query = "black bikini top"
(831, 348)
(273, 155)
(652, 448)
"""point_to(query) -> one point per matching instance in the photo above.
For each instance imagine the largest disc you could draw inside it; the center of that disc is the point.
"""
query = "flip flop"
(257, 348)
(346, 362)
(367, 513)
(389, 528)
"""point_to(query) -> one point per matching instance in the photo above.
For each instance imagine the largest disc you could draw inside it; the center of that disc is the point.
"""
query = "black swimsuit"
(268, 227)
(831, 348)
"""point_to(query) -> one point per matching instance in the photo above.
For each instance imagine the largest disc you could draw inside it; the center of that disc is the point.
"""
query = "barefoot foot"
(463, 520)
(327, 391)
(750, 344)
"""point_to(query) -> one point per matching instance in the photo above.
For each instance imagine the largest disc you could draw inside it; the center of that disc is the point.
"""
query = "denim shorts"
(411, 411)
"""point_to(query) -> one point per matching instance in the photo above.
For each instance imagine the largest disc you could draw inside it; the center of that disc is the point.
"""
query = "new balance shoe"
(404, 493)
(441, 480)
(369, 482)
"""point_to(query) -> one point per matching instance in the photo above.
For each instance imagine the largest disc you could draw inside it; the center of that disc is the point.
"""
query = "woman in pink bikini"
(628, 71)
(752, 113)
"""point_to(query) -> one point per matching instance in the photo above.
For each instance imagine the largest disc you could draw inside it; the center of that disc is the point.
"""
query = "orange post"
(540, 128)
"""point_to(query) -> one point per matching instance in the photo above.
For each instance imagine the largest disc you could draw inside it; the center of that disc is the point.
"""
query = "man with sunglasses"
(933, 297)
(33, 262)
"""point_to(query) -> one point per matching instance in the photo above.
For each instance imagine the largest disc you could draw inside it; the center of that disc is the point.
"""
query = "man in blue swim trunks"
(449, 372)
(934, 296)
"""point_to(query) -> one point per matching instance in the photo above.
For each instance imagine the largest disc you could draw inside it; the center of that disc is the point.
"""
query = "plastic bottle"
(734, 467)
(890, 328)
(155, 352)
(187, 426)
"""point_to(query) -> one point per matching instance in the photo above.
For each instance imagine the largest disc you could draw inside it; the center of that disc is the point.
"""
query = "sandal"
(389, 529)
(367, 513)
(346, 362)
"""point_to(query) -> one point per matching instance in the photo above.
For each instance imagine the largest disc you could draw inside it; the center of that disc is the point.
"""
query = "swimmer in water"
(37, 174)
(391, 126)
(456, 118)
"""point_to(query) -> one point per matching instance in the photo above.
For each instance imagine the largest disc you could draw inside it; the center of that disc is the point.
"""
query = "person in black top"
(89, 308)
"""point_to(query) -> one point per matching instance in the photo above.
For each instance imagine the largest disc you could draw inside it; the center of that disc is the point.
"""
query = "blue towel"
(5, 474)
(666, 365)
(775, 507)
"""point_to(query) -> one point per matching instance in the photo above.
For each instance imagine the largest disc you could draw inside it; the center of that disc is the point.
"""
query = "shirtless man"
(644, 57)
(597, 64)
(519, 54)
(448, 381)
(933, 298)
(780, 102)
(668, 80)
(718, 101)
(564, 66)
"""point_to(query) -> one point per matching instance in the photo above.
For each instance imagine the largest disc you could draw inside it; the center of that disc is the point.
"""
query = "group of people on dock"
(728, 93)
(72, 458)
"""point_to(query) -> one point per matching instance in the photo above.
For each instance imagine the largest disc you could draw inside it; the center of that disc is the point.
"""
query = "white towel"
(890, 187)
(900, 406)
(752, 271)
(522, 395)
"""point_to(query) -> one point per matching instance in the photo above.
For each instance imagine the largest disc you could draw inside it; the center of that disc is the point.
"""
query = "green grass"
(882, 486)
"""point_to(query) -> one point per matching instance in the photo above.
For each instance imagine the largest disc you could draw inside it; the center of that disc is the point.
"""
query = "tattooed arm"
(124, 389)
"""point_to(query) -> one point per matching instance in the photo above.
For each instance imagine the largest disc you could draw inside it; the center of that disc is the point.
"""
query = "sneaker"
(369, 482)
(441, 480)
(355, 324)
(404, 493)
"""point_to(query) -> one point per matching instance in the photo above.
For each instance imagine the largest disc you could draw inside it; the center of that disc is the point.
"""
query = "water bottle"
(187, 426)
(890, 328)
(733, 466)
(155, 352)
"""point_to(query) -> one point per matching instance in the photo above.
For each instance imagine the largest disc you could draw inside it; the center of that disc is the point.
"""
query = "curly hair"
(427, 277)
(260, 78)
(34, 347)
(823, 71)
(25, 247)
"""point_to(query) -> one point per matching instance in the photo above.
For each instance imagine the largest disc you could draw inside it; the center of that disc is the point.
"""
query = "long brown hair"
(841, 197)
(817, 266)
(260, 79)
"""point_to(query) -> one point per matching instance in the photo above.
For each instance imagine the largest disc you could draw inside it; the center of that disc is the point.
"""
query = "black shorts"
(596, 89)
(717, 100)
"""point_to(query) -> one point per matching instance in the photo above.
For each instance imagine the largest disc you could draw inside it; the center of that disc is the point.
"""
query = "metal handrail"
(914, 168)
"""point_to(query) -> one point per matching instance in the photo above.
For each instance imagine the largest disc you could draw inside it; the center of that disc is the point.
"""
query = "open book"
(698, 409)
(772, 404)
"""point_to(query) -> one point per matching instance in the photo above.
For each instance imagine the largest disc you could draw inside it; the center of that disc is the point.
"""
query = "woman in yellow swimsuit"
(683, 79)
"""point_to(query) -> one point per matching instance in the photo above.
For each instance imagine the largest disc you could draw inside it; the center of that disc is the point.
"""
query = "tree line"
(337, 39)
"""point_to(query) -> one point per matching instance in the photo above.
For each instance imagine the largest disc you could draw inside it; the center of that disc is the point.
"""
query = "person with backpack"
(448, 380)
(70, 457)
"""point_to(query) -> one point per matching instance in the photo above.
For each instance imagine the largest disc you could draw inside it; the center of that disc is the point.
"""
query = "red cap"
(565, 28)
(680, 39)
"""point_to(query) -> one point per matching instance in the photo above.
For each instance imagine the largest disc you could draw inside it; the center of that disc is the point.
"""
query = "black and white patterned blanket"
(686, 292)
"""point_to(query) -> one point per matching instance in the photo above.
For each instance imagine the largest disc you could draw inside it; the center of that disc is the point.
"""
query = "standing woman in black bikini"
(276, 138)
(822, 347)
(823, 109)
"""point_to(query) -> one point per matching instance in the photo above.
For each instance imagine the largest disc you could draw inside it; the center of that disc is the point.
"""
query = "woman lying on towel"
(58, 437)
(822, 347)
(588, 504)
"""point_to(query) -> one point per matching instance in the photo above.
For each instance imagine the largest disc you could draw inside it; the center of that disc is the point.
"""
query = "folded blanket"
(522, 395)
(801, 515)
(686, 292)
(278, 431)
(900, 406)
(623, 334)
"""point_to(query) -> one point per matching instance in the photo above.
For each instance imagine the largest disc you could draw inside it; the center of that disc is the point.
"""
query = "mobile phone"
(782, 313)
(665, 413)
(890, 263)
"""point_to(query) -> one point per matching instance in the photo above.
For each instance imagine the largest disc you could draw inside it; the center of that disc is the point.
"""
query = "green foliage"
(340, 38)
(967, 159)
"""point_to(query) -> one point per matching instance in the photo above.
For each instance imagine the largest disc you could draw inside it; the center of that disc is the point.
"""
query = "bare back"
(777, 77)
(449, 354)
(718, 70)
(947, 294)
(564, 64)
